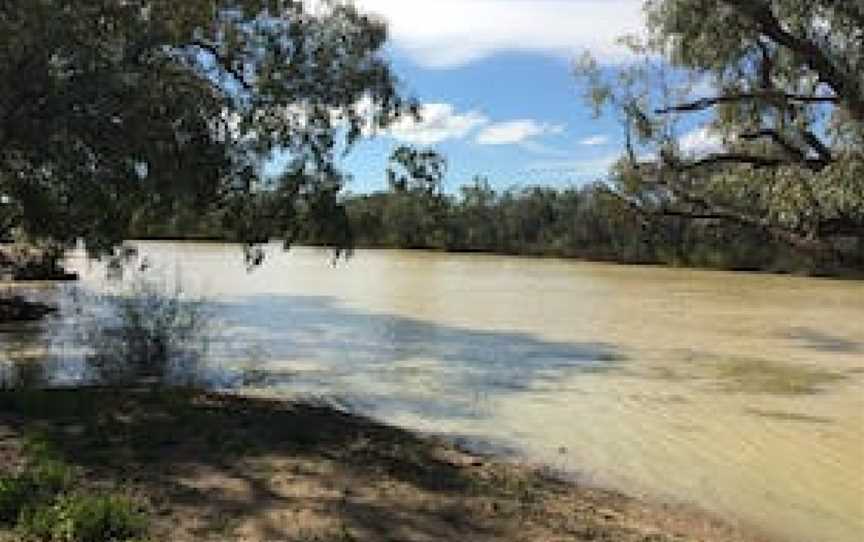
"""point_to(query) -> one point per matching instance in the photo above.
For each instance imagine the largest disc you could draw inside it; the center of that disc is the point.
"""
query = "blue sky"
(498, 93)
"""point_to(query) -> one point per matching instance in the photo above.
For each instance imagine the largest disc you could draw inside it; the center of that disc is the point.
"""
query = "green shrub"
(85, 518)
(40, 504)
(16, 493)
(32, 489)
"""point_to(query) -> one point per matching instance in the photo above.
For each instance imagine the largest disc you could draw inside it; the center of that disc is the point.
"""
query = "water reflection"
(824, 342)
(386, 364)
(320, 330)
(314, 345)
(24, 356)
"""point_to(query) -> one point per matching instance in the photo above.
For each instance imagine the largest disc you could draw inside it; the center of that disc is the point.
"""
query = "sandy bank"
(215, 467)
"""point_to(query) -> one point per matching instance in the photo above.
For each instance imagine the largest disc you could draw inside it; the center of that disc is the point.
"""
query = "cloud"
(594, 141)
(439, 122)
(515, 131)
(545, 150)
(453, 33)
(700, 141)
(588, 168)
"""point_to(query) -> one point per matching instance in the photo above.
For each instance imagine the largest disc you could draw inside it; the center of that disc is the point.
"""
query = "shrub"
(40, 503)
(32, 489)
(146, 333)
(16, 493)
(85, 518)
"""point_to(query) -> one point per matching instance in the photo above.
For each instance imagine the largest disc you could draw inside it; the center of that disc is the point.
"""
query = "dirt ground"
(216, 467)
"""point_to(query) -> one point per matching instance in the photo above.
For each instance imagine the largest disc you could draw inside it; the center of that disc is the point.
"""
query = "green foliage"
(22, 493)
(85, 518)
(778, 85)
(588, 222)
(116, 110)
(41, 503)
(592, 222)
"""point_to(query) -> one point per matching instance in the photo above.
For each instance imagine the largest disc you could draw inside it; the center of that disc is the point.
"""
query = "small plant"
(16, 493)
(85, 518)
(45, 478)
(41, 503)
(148, 333)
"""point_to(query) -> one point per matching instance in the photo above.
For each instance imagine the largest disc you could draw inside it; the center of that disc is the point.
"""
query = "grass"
(43, 502)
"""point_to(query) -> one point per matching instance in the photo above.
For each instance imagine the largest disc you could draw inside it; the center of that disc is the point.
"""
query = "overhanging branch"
(705, 103)
(845, 85)
(778, 138)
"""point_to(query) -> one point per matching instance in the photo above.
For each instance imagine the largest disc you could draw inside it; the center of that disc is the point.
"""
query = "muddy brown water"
(740, 393)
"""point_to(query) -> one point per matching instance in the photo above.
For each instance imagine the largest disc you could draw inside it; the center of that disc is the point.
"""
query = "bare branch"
(817, 145)
(737, 158)
(729, 158)
(776, 96)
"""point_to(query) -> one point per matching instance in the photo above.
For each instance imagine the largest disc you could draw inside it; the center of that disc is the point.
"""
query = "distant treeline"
(587, 222)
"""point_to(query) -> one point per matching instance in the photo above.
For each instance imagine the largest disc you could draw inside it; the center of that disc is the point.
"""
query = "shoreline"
(845, 275)
(217, 466)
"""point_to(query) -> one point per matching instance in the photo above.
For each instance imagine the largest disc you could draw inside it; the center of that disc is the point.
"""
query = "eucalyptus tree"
(115, 108)
(416, 212)
(778, 87)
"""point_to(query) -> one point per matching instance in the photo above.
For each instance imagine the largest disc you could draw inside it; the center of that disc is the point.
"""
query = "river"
(742, 394)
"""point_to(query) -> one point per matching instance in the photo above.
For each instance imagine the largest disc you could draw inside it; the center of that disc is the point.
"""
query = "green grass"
(41, 503)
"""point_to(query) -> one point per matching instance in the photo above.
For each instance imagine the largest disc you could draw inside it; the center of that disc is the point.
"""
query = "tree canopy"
(110, 109)
(779, 86)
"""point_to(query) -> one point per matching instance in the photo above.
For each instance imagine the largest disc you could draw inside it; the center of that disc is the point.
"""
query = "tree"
(111, 109)
(786, 105)
(416, 212)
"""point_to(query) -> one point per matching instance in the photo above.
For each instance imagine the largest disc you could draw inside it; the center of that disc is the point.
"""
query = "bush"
(41, 504)
(31, 489)
(15, 494)
(85, 518)
(147, 333)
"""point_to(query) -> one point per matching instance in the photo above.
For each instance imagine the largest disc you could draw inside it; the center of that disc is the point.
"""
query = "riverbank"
(788, 267)
(206, 466)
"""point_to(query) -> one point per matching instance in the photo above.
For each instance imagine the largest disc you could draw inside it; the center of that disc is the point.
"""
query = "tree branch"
(817, 145)
(778, 138)
(705, 103)
(845, 85)
(721, 213)
(729, 158)
(737, 158)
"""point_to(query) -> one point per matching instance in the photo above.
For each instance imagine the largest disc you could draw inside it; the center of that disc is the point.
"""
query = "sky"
(499, 98)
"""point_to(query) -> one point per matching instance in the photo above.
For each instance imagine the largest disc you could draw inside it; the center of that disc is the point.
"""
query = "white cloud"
(700, 141)
(515, 131)
(452, 33)
(594, 141)
(439, 122)
(586, 168)
(545, 150)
